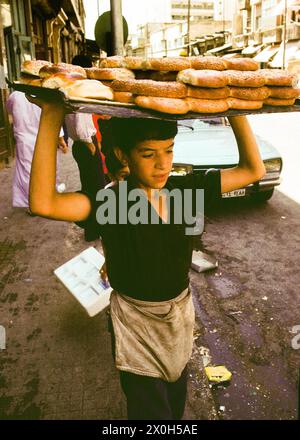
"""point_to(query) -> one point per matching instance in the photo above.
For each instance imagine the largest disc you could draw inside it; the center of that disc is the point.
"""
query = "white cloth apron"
(153, 338)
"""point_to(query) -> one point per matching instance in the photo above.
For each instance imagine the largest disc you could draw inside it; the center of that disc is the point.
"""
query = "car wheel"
(263, 196)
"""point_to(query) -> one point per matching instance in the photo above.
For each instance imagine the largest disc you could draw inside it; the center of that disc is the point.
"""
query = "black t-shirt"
(151, 262)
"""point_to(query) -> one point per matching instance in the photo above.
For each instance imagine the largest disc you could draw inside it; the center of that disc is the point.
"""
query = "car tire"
(263, 196)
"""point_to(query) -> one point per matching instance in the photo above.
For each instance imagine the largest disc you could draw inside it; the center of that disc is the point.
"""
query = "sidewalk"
(57, 363)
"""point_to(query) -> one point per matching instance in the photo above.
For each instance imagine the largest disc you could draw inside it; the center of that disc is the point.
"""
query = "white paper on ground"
(202, 261)
(81, 277)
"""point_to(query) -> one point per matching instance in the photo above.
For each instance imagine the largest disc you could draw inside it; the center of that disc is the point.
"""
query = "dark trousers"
(90, 166)
(92, 176)
(150, 398)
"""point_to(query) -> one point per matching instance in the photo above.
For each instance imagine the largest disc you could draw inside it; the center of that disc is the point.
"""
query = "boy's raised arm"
(44, 200)
(250, 167)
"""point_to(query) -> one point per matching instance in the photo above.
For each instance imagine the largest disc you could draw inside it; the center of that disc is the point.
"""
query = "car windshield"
(195, 124)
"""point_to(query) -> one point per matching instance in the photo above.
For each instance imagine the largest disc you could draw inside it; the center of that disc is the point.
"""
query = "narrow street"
(249, 305)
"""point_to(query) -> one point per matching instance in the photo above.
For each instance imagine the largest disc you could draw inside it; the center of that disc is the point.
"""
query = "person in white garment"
(26, 119)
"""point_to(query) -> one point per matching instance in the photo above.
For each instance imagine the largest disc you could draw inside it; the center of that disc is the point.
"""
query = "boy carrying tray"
(151, 305)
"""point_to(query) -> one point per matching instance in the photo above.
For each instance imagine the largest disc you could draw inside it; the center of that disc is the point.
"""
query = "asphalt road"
(249, 305)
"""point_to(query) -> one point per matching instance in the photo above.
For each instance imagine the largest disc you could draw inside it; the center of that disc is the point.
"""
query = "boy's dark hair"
(127, 133)
(82, 60)
(112, 163)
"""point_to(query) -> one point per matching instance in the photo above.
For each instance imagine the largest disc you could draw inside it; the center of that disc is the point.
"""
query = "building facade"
(200, 10)
(50, 30)
(261, 27)
(267, 30)
(209, 24)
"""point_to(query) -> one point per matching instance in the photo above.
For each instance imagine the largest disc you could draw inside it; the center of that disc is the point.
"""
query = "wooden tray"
(124, 110)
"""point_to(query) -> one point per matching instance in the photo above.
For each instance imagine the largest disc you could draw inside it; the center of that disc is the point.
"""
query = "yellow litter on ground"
(218, 374)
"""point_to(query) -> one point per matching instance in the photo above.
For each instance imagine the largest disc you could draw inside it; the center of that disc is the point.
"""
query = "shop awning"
(219, 49)
(251, 50)
(291, 52)
(265, 55)
(232, 55)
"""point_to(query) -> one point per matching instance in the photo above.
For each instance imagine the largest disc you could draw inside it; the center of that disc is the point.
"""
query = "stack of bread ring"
(67, 77)
(174, 85)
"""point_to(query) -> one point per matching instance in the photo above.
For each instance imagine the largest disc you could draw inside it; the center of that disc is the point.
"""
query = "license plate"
(235, 193)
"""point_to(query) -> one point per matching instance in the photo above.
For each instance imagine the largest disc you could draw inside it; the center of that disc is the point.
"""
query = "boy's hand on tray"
(42, 103)
(53, 106)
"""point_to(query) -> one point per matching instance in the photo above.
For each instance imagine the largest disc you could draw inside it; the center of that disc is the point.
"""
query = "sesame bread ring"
(147, 87)
(164, 105)
(61, 80)
(241, 64)
(106, 83)
(279, 102)
(243, 104)
(108, 74)
(206, 93)
(276, 77)
(72, 68)
(123, 97)
(63, 68)
(250, 93)
(136, 63)
(284, 92)
(245, 78)
(33, 67)
(207, 105)
(203, 78)
(112, 62)
(170, 63)
(207, 63)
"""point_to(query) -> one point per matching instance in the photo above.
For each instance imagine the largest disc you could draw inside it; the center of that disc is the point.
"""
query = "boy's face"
(150, 163)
